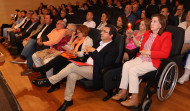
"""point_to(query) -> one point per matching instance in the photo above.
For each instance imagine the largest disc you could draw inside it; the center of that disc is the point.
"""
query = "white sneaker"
(183, 79)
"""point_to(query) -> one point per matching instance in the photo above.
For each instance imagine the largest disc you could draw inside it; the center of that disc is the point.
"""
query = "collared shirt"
(39, 35)
(147, 46)
(30, 27)
(90, 24)
(102, 45)
(187, 31)
(27, 20)
(18, 25)
(19, 21)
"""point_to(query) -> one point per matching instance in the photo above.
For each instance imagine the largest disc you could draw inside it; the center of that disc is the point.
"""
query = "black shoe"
(53, 88)
(41, 83)
(2, 40)
(41, 77)
(65, 105)
(37, 69)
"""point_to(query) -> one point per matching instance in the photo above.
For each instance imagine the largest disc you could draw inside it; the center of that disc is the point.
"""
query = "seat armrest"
(104, 70)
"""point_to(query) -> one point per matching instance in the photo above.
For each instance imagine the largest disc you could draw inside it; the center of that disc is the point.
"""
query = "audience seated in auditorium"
(136, 11)
(89, 20)
(185, 25)
(40, 26)
(134, 38)
(16, 41)
(104, 19)
(63, 16)
(103, 55)
(143, 16)
(156, 45)
(172, 20)
(20, 16)
(129, 15)
(23, 28)
(49, 54)
(26, 21)
(152, 8)
(55, 14)
(142, 4)
(32, 44)
(121, 24)
(110, 4)
(180, 13)
(75, 51)
(46, 11)
(164, 3)
(14, 19)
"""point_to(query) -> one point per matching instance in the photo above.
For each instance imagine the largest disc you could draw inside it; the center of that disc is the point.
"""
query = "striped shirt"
(147, 46)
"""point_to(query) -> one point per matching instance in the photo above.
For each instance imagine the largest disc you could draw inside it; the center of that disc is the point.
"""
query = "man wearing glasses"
(180, 13)
(104, 55)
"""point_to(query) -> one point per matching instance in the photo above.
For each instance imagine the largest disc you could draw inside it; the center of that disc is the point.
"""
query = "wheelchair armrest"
(104, 70)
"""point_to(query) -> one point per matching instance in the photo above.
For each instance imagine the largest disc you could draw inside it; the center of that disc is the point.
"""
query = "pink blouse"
(131, 44)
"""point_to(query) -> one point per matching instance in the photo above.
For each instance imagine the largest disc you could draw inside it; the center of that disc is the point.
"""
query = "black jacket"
(102, 59)
(24, 33)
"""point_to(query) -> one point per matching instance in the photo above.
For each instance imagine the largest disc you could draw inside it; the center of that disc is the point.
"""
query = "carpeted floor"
(8, 101)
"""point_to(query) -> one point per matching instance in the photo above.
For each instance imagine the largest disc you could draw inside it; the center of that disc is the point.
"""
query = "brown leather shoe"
(130, 103)
(119, 97)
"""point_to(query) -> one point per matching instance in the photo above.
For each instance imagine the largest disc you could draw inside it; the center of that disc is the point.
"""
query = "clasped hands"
(145, 53)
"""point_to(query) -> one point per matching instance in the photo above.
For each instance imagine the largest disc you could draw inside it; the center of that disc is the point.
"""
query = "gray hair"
(36, 17)
(73, 26)
(62, 22)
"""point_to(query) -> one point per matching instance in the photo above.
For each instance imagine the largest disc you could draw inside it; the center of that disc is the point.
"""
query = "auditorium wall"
(7, 7)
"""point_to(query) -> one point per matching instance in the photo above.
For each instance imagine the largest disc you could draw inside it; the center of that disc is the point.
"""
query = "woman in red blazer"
(156, 45)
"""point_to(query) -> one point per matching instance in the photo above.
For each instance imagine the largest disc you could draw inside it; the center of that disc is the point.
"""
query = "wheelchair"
(165, 78)
(162, 81)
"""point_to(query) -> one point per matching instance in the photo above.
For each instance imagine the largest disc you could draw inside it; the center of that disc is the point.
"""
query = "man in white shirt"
(90, 23)
(104, 55)
(186, 26)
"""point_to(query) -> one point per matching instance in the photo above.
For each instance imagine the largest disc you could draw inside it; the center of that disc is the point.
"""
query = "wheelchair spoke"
(167, 81)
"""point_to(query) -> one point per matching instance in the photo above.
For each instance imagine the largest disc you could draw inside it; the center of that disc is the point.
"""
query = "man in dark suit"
(172, 20)
(104, 55)
(29, 48)
(17, 41)
(26, 24)
(180, 13)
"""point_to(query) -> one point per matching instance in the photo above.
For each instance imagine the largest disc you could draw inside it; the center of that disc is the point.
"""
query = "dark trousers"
(58, 63)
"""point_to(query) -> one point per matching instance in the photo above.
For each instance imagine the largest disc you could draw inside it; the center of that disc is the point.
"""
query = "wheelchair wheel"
(167, 82)
(146, 105)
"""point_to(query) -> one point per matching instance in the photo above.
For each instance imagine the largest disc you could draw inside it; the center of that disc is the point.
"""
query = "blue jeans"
(28, 51)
